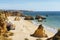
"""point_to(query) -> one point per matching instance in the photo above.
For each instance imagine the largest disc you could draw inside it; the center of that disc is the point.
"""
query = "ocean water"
(53, 19)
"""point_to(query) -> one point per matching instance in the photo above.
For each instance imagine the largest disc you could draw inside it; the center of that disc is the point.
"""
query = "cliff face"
(12, 13)
(39, 32)
(2, 23)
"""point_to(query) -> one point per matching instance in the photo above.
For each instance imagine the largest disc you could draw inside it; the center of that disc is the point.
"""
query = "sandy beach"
(24, 28)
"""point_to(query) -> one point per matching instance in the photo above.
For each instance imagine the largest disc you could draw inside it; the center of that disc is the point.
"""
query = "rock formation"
(40, 20)
(28, 18)
(39, 32)
(2, 23)
(16, 13)
(56, 36)
(17, 18)
(22, 15)
(39, 17)
(4, 33)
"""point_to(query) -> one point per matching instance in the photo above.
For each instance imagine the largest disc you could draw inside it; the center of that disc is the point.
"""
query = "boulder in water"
(39, 17)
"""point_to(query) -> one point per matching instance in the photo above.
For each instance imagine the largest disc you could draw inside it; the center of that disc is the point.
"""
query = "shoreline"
(27, 29)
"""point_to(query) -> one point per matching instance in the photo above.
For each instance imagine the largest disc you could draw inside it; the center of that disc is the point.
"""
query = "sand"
(25, 28)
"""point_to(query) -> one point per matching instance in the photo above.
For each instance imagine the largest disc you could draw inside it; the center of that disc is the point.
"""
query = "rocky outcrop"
(17, 18)
(4, 33)
(56, 36)
(18, 14)
(2, 23)
(5, 38)
(28, 18)
(22, 15)
(39, 17)
(39, 32)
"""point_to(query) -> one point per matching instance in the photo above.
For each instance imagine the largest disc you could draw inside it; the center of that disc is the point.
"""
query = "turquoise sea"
(53, 19)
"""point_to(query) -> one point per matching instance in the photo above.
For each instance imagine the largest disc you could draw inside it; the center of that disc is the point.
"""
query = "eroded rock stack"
(39, 17)
(39, 32)
(28, 18)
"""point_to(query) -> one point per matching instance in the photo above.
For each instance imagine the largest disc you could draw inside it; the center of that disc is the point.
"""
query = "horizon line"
(29, 10)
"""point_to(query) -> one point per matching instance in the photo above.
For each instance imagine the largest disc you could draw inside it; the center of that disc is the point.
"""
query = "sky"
(32, 5)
